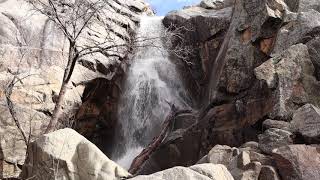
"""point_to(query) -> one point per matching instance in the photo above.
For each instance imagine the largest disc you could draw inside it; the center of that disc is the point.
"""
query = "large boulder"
(243, 163)
(269, 123)
(298, 162)
(196, 172)
(274, 138)
(65, 154)
(222, 154)
(292, 88)
(306, 121)
(314, 51)
(300, 29)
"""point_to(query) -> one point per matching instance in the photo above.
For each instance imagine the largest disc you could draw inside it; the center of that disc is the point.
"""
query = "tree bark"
(57, 109)
(72, 59)
(156, 142)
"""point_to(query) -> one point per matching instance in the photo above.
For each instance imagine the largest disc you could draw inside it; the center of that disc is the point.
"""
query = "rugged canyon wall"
(253, 76)
(253, 60)
(34, 53)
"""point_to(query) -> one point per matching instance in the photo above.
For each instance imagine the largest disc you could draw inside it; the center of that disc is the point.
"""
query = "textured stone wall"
(35, 51)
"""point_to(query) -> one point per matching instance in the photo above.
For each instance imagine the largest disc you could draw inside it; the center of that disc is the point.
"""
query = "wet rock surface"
(253, 75)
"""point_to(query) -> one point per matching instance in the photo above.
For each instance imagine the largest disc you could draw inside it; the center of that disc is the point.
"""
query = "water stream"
(151, 82)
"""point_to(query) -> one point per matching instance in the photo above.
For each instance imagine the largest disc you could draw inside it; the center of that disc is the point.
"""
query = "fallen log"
(156, 142)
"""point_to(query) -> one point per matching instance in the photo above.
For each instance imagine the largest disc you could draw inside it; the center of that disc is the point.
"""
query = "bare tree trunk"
(154, 145)
(8, 93)
(57, 109)
(72, 59)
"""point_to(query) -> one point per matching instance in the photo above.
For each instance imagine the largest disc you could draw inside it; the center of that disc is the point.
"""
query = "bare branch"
(8, 93)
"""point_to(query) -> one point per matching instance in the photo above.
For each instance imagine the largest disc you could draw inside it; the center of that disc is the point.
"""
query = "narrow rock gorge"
(222, 89)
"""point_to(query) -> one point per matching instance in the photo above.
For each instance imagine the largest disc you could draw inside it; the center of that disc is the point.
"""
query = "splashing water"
(151, 82)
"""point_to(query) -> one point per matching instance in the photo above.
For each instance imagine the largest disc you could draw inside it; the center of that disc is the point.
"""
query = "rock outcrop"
(199, 172)
(274, 138)
(253, 73)
(306, 121)
(243, 163)
(264, 65)
(292, 75)
(203, 31)
(65, 154)
(298, 162)
(34, 52)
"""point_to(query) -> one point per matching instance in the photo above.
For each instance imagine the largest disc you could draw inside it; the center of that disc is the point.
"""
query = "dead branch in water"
(156, 142)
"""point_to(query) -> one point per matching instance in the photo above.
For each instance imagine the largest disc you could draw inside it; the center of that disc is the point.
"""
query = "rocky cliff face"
(253, 61)
(34, 51)
(254, 78)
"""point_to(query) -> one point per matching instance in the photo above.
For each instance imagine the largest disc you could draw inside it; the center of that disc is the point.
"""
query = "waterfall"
(151, 82)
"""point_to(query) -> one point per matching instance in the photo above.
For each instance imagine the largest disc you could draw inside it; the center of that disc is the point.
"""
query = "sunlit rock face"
(52, 156)
(35, 51)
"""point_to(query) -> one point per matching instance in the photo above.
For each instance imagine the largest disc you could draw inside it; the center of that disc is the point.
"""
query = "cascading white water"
(151, 82)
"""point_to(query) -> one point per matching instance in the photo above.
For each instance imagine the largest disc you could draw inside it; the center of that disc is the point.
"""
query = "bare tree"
(76, 19)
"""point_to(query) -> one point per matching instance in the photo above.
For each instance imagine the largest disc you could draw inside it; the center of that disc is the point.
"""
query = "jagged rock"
(242, 163)
(269, 123)
(292, 88)
(302, 5)
(248, 42)
(243, 159)
(203, 30)
(185, 120)
(251, 145)
(257, 156)
(201, 23)
(216, 4)
(314, 51)
(274, 138)
(268, 173)
(301, 29)
(65, 154)
(298, 162)
(305, 5)
(196, 172)
(222, 154)
(306, 120)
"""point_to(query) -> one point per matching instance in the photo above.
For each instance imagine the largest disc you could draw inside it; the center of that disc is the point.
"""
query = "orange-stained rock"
(246, 35)
(266, 45)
